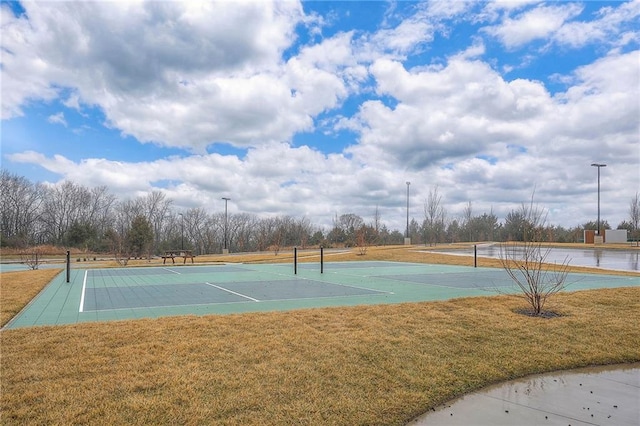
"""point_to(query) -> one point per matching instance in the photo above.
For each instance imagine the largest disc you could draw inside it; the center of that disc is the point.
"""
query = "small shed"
(616, 236)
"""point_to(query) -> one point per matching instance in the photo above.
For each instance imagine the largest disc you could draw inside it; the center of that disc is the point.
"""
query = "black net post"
(295, 260)
(321, 260)
(68, 265)
(475, 256)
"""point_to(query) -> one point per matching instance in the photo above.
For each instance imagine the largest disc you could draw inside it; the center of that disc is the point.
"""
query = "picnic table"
(172, 254)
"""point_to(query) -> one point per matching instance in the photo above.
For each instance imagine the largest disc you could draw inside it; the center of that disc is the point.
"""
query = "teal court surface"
(151, 292)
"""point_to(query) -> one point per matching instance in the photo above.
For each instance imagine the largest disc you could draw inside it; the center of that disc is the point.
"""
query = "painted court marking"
(84, 287)
(232, 292)
(171, 270)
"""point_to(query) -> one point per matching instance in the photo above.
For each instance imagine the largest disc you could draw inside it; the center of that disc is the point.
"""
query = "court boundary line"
(171, 270)
(232, 292)
(84, 287)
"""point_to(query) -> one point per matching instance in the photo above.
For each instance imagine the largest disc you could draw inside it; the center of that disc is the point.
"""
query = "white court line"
(232, 292)
(171, 270)
(84, 286)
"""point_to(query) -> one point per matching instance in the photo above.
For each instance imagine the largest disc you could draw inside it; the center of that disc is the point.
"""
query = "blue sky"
(323, 108)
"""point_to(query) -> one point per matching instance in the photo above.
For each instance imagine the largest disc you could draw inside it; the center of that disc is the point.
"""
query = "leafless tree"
(244, 224)
(276, 237)
(634, 215)
(303, 230)
(64, 205)
(21, 201)
(365, 236)
(526, 262)
(117, 246)
(434, 216)
(157, 210)
(377, 220)
(192, 228)
(467, 214)
(374, 228)
(99, 210)
(32, 258)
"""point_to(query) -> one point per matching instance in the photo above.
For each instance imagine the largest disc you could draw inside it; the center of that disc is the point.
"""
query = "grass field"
(354, 365)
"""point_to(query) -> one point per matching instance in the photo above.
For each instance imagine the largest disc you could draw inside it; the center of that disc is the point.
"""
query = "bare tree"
(467, 214)
(157, 212)
(20, 211)
(434, 216)
(365, 236)
(32, 258)
(117, 246)
(526, 262)
(244, 226)
(377, 220)
(374, 228)
(277, 236)
(193, 226)
(64, 205)
(634, 215)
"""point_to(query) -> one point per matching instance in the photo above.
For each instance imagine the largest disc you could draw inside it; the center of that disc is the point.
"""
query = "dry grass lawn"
(353, 365)
(19, 287)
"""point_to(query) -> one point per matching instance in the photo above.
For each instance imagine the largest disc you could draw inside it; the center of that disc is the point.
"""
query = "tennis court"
(151, 292)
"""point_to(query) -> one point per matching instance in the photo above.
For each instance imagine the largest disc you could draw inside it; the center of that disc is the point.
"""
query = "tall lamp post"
(225, 250)
(407, 239)
(181, 231)
(598, 166)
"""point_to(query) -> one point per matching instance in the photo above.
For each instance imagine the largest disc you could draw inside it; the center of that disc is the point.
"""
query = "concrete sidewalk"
(608, 395)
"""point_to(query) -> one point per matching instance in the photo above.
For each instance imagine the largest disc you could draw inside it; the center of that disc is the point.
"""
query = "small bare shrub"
(526, 262)
(32, 258)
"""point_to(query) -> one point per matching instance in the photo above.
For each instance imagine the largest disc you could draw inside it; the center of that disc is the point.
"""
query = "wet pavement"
(608, 395)
(595, 257)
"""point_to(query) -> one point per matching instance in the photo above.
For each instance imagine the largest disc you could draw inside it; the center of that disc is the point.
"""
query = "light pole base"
(407, 241)
(225, 251)
(598, 239)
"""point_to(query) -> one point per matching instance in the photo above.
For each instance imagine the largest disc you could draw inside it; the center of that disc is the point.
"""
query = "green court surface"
(151, 292)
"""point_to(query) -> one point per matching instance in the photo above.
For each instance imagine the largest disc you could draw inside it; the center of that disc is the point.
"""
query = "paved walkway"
(608, 395)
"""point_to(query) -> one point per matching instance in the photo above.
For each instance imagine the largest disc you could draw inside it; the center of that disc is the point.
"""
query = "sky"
(323, 108)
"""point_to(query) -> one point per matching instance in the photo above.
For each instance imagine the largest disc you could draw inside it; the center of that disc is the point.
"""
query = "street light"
(181, 231)
(407, 238)
(226, 250)
(598, 166)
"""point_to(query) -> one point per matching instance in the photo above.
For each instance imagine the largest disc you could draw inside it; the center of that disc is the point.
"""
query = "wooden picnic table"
(172, 254)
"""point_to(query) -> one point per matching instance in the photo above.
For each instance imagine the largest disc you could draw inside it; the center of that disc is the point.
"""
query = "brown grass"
(19, 287)
(352, 365)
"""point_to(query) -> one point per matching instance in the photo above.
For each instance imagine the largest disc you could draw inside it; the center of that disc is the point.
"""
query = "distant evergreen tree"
(139, 237)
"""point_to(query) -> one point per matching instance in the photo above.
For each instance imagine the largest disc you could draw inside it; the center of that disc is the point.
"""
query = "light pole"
(407, 240)
(598, 166)
(181, 231)
(225, 250)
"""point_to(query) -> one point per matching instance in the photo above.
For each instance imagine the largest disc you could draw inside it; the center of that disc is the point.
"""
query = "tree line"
(95, 220)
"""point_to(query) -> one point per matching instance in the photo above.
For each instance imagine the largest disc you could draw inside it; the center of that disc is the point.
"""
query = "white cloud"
(615, 25)
(608, 28)
(446, 114)
(508, 5)
(57, 118)
(270, 180)
(602, 102)
(537, 23)
(162, 71)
